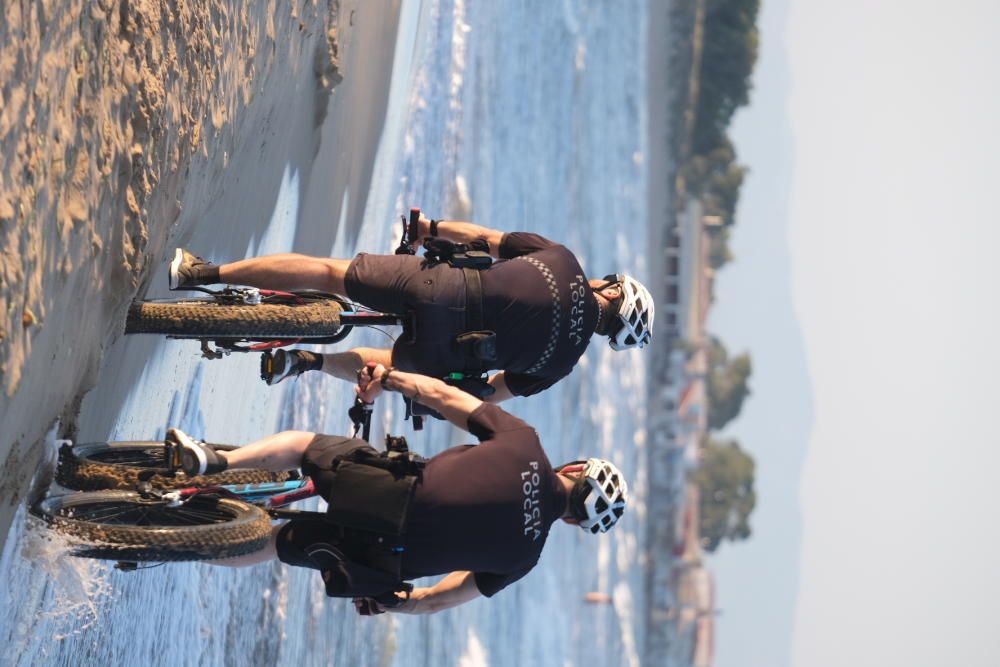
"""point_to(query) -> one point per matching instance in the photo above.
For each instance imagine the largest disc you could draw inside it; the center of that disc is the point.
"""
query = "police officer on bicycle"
(478, 513)
(530, 315)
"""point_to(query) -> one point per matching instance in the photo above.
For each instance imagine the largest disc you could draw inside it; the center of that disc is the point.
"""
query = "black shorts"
(302, 542)
(436, 295)
(318, 459)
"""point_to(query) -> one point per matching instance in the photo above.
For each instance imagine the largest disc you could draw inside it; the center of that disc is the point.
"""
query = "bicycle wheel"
(122, 525)
(206, 318)
(93, 466)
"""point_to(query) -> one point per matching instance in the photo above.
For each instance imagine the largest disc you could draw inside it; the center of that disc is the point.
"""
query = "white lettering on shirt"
(531, 483)
(578, 293)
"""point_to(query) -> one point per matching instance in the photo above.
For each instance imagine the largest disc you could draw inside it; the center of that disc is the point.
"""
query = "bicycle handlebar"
(411, 230)
(361, 415)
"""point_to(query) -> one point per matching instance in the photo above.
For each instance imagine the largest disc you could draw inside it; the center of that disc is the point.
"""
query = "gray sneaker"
(185, 270)
(281, 364)
(197, 458)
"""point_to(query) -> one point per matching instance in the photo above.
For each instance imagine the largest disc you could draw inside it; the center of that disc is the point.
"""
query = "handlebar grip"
(413, 227)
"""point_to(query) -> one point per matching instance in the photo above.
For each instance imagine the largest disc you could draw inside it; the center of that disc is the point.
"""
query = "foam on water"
(475, 654)
(625, 609)
(73, 591)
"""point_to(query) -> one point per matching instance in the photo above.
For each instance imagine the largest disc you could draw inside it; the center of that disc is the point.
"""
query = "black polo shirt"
(486, 508)
(541, 307)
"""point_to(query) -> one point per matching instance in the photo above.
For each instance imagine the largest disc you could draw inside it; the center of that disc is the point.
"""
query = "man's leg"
(282, 364)
(345, 365)
(288, 271)
(278, 452)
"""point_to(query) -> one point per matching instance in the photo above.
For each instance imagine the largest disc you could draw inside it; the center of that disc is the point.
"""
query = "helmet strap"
(577, 498)
(607, 311)
(580, 489)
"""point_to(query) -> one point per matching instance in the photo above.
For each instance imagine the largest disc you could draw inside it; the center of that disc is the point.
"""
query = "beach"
(127, 132)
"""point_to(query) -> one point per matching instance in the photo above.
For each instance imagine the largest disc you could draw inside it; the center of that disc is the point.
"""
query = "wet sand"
(129, 129)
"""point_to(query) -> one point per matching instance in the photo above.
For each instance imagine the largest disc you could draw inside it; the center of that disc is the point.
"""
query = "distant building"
(703, 650)
(681, 590)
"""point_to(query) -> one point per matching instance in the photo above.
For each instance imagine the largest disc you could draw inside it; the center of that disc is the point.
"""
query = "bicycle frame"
(269, 495)
(273, 496)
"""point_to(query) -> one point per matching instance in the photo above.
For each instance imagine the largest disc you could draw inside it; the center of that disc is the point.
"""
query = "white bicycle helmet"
(635, 314)
(599, 497)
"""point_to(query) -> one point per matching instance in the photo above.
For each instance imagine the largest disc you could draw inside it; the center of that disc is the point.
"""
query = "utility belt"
(477, 345)
(369, 503)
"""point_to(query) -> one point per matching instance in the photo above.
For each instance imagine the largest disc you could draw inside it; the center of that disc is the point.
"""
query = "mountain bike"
(134, 504)
(248, 319)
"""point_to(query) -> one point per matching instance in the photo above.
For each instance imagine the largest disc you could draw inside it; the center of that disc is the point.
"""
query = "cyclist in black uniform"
(479, 512)
(540, 305)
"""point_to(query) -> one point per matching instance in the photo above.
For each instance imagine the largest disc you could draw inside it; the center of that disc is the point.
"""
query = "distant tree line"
(725, 475)
(727, 384)
(729, 53)
(726, 498)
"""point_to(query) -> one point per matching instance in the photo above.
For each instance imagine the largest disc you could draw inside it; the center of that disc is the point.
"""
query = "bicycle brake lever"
(361, 416)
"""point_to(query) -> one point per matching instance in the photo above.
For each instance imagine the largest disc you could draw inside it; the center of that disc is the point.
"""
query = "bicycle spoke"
(149, 457)
(196, 516)
(135, 514)
(105, 512)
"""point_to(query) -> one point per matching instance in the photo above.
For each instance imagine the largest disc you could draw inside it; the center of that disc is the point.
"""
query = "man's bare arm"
(455, 589)
(463, 232)
(454, 404)
(503, 392)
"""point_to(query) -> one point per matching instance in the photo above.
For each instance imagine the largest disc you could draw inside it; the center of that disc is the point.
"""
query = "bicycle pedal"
(266, 365)
(172, 456)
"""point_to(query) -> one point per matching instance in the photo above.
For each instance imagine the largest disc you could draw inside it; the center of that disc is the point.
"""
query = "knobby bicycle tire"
(206, 318)
(122, 525)
(93, 466)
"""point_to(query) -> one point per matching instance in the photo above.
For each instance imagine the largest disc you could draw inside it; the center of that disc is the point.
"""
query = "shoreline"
(673, 52)
(660, 201)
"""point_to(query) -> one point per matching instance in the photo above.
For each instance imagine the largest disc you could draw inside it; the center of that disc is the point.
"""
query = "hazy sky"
(881, 118)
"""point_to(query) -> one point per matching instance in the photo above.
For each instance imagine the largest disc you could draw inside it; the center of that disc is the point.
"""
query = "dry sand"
(118, 124)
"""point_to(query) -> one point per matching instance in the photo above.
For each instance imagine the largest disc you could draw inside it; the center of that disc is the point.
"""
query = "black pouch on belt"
(370, 498)
(475, 255)
(478, 345)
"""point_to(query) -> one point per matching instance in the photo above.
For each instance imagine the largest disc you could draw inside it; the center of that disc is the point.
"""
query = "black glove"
(378, 604)
(367, 607)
